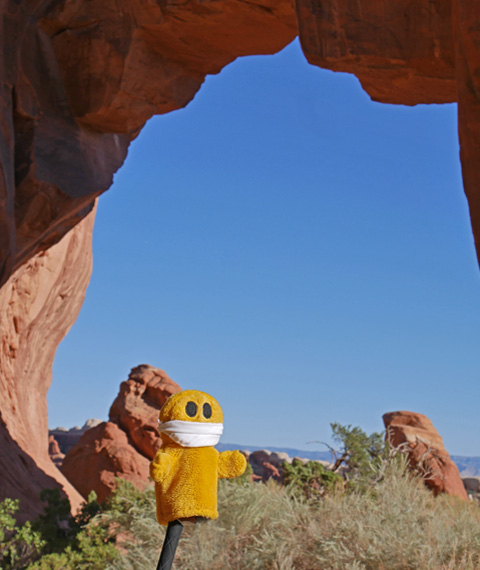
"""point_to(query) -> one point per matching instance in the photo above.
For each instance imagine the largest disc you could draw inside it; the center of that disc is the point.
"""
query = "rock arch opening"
(82, 84)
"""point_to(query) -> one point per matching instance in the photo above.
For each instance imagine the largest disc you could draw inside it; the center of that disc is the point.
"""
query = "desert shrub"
(56, 525)
(360, 454)
(310, 480)
(399, 525)
(93, 550)
(19, 545)
(393, 523)
(100, 530)
(55, 540)
(88, 510)
(254, 521)
(396, 525)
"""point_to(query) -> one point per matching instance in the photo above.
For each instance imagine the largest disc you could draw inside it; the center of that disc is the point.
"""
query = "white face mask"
(192, 434)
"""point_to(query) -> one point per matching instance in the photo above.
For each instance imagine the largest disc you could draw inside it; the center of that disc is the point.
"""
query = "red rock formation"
(267, 465)
(426, 451)
(467, 69)
(123, 446)
(79, 81)
(103, 453)
(401, 51)
(272, 472)
(53, 447)
(257, 459)
(38, 305)
(54, 451)
(136, 407)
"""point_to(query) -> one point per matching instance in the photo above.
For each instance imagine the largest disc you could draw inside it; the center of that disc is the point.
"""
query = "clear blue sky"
(300, 252)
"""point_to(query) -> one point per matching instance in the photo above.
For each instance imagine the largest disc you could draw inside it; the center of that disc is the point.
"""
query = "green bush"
(359, 451)
(310, 480)
(19, 545)
(56, 525)
(94, 531)
(94, 550)
(55, 540)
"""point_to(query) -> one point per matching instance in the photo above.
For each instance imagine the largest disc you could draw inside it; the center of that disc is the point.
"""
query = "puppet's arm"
(160, 466)
(231, 464)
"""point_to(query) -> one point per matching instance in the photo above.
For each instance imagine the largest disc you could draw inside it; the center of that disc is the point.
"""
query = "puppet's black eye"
(207, 410)
(191, 409)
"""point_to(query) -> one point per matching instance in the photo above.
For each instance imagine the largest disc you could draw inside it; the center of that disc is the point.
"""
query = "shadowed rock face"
(402, 51)
(79, 78)
(426, 451)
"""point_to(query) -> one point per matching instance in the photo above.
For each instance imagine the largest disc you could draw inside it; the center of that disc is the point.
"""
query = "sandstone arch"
(79, 80)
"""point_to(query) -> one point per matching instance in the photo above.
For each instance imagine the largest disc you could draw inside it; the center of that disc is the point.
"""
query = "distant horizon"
(298, 251)
(248, 446)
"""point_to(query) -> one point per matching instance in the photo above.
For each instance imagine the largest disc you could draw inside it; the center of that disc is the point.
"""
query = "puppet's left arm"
(231, 464)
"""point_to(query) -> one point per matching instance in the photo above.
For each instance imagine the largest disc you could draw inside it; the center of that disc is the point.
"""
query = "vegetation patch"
(377, 516)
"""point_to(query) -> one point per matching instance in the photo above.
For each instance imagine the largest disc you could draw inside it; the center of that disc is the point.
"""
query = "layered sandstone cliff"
(38, 305)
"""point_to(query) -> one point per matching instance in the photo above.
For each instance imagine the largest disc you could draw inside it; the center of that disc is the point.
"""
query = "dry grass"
(399, 525)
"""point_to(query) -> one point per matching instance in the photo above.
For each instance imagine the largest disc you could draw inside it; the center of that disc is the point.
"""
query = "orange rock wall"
(38, 305)
(103, 454)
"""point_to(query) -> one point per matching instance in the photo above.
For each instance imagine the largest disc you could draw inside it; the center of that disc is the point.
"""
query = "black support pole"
(172, 536)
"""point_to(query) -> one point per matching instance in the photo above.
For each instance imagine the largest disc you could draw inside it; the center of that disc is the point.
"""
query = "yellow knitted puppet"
(187, 467)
